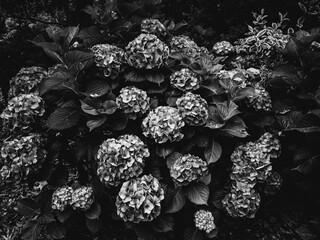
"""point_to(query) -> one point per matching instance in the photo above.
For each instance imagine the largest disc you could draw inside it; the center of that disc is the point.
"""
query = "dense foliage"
(146, 124)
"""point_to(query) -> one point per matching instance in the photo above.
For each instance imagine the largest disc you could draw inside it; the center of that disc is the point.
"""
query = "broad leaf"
(214, 121)
(192, 233)
(197, 193)
(174, 200)
(94, 123)
(63, 118)
(172, 158)
(164, 150)
(235, 127)
(28, 207)
(97, 88)
(93, 225)
(117, 121)
(213, 151)
(163, 224)
(108, 107)
(227, 110)
(56, 230)
(94, 211)
(155, 77)
(90, 36)
(308, 166)
(89, 109)
(217, 197)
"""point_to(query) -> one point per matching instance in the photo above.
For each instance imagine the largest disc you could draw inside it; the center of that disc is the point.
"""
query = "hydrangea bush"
(140, 127)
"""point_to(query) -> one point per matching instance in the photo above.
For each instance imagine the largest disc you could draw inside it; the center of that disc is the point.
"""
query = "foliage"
(139, 131)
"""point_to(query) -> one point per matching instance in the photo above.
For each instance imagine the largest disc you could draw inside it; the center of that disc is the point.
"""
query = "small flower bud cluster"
(261, 99)
(163, 124)
(204, 220)
(61, 198)
(146, 51)
(22, 111)
(153, 26)
(134, 101)
(185, 80)
(188, 168)
(121, 159)
(140, 199)
(193, 109)
(26, 81)
(222, 48)
(109, 58)
(21, 156)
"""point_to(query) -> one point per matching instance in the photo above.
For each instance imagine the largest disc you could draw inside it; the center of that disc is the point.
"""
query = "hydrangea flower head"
(61, 198)
(204, 220)
(185, 80)
(140, 199)
(82, 198)
(153, 26)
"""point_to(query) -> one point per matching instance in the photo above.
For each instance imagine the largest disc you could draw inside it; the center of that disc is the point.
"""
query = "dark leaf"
(217, 198)
(155, 77)
(94, 211)
(97, 88)
(108, 107)
(235, 127)
(197, 193)
(32, 230)
(174, 200)
(63, 216)
(28, 207)
(134, 76)
(308, 166)
(71, 32)
(63, 118)
(117, 121)
(227, 110)
(94, 123)
(206, 179)
(214, 121)
(164, 150)
(56, 230)
(192, 233)
(93, 225)
(163, 224)
(78, 60)
(172, 158)
(90, 36)
(89, 109)
(213, 151)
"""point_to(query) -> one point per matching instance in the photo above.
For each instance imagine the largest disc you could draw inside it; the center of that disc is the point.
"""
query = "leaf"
(89, 109)
(63, 216)
(163, 224)
(93, 225)
(155, 77)
(71, 32)
(213, 87)
(197, 193)
(78, 60)
(192, 233)
(108, 107)
(32, 230)
(94, 212)
(227, 110)
(90, 36)
(284, 76)
(97, 88)
(217, 198)
(164, 150)
(94, 123)
(213, 151)
(172, 158)
(56, 230)
(134, 76)
(174, 200)
(214, 121)
(308, 166)
(206, 179)
(53, 50)
(28, 207)
(117, 121)
(63, 118)
(235, 127)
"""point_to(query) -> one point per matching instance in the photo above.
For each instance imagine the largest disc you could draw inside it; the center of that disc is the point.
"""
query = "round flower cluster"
(2, 101)
(146, 51)
(261, 99)
(222, 48)
(251, 154)
(193, 109)
(22, 155)
(241, 204)
(22, 111)
(140, 199)
(61, 198)
(244, 175)
(110, 58)
(270, 145)
(133, 101)
(153, 26)
(162, 124)
(185, 80)
(184, 45)
(204, 220)
(273, 184)
(188, 168)
(26, 81)
(82, 198)
(121, 159)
